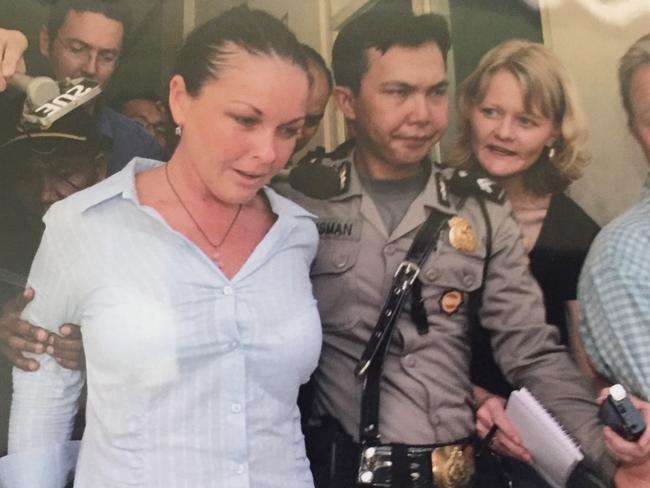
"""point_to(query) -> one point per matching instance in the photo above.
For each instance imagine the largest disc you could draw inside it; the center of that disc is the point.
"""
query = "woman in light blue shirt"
(191, 284)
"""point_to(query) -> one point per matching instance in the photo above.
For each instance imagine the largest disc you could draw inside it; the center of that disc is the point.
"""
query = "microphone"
(39, 90)
(46, 103)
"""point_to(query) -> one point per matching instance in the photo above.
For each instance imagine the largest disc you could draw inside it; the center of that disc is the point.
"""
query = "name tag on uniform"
(349, 230)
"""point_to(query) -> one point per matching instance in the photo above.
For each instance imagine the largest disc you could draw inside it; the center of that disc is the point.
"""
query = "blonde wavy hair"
(548, 88)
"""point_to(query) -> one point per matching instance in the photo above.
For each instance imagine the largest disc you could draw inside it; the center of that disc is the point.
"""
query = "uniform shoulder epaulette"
(322, 175)
(465, 183)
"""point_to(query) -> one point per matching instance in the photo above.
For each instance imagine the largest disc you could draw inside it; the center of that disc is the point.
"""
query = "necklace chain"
(218, 245)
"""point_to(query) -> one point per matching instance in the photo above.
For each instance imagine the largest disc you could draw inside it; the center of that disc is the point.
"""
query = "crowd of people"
(193, 293)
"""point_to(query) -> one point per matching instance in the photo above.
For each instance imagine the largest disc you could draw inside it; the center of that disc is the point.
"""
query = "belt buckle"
(453, 466)
(375, 467)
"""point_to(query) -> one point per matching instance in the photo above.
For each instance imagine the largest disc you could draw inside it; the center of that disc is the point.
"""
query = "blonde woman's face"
(506, 138)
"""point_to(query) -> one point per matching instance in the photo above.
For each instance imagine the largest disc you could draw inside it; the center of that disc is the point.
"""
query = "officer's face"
(640, 93)
(400, 110)
(39, 186)
(506, 138)
(87, 44)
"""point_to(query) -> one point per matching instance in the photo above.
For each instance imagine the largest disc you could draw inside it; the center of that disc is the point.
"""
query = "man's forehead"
(93, 28)
(400, 62)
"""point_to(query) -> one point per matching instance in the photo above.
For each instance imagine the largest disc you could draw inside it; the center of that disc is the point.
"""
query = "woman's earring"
(551, 152)
(178, 130)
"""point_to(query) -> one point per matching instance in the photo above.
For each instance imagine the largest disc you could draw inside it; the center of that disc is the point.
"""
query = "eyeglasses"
(85, 52)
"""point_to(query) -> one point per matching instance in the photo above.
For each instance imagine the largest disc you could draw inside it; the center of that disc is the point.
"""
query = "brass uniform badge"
(453, 466)
(461, 235)
(450, 301)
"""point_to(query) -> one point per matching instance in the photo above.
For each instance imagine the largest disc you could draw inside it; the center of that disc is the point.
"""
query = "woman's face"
(241, 128)
(506, 138)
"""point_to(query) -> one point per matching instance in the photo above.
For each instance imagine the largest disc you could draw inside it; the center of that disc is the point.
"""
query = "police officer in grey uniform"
(392, 89)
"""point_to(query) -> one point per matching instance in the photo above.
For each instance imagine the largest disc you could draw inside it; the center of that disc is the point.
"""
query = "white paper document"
(554, 453)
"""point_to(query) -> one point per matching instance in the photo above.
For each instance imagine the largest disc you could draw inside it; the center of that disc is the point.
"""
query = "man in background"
(614, 287)
(320, 91)
(84, 38)
(148, 110)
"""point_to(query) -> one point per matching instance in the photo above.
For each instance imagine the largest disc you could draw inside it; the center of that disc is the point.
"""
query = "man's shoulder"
(625, 239)
(317, 178)
(129, 138)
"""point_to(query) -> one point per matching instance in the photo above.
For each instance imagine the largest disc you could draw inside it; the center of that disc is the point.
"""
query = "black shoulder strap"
(371, 363)
(405, 280)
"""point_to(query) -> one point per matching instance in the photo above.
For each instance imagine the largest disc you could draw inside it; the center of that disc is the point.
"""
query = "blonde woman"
(521, 123)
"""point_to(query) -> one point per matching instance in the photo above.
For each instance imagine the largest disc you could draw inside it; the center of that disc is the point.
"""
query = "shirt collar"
(122, 184)
(435, 193)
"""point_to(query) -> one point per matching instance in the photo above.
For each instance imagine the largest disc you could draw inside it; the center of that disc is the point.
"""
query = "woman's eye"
(246, 121)
(488, 112)
(289, 132)
(527, 122)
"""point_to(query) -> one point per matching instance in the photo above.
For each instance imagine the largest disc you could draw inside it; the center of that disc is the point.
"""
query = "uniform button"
(234, 345)
(390, 249)
(468, 280)
(235, 407)
(340, 261)
(227, 290)
(435, 419)
(409, 360)
(239, 469)
(430, 274)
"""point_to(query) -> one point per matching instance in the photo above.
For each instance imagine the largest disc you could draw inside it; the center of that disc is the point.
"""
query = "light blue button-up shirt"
(192, 378)
(614, 294)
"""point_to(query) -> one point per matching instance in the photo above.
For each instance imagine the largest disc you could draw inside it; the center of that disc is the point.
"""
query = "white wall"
(590, 36)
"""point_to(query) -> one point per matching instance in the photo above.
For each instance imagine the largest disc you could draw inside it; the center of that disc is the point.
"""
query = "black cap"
(76, 133)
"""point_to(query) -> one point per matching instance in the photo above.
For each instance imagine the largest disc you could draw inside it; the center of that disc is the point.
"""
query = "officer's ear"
(345, 99)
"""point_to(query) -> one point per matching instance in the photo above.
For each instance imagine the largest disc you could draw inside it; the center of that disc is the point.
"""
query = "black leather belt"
(397, 465)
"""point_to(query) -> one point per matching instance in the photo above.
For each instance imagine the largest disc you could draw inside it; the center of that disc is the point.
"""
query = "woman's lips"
(501, 151)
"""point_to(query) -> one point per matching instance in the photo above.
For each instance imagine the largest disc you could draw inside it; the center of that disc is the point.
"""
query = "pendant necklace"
(216, 255)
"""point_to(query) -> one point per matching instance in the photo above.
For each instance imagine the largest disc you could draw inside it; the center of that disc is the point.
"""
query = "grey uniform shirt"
(426, 393)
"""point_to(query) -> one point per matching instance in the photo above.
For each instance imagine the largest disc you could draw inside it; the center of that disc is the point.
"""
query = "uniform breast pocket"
(448, 279)
(333, 279)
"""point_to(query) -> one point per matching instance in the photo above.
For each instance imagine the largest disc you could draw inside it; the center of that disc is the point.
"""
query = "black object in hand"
(618, 413)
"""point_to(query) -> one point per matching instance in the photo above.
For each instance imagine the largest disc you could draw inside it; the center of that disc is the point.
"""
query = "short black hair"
(314, 56)
(255, 31)
(117, 10)
(383, 27)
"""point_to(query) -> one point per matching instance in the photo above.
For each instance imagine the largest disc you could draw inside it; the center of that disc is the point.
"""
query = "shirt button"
(227, 290)
(235, 407)
(340, 261)
(239, 469)
(234, 345)
(468, 280)
(430, 274)
(409, 360)
(390, 249)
